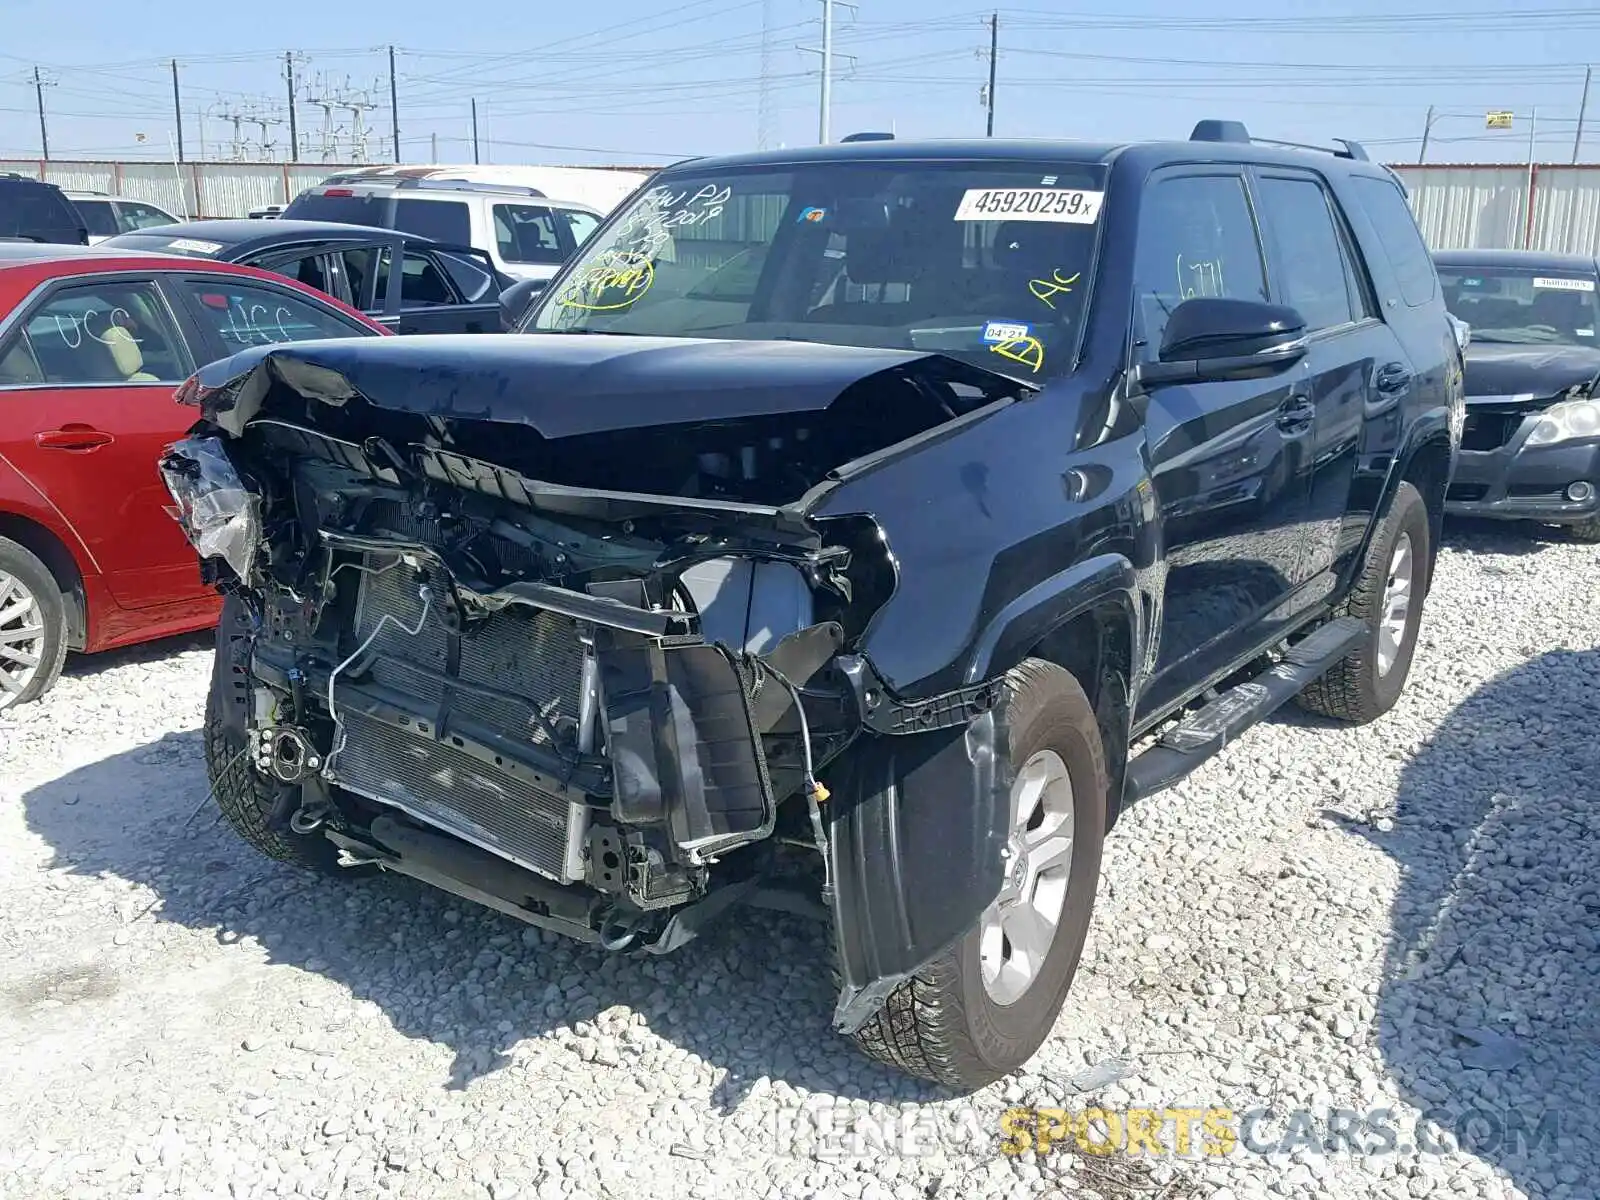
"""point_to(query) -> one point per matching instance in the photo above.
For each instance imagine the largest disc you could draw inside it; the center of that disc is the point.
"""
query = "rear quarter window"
(441, 220)
(1386, 207)
(98, 217)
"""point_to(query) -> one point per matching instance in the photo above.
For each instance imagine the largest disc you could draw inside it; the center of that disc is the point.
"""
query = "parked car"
(598, 188)
(1531, 447)
(33, 211)
(526, 234)
(92, 344)
(436, 288)
(923, 505)
(106, 216)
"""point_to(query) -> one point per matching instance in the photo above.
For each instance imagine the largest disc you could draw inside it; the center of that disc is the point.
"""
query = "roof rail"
(434, 183)
(868, 137)
(1234, 131)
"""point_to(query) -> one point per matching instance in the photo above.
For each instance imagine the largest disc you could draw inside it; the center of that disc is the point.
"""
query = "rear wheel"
(982, 1009)
(33, 626)
(1387, 598)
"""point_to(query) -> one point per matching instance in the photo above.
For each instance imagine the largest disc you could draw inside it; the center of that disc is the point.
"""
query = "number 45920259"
(1070, 205)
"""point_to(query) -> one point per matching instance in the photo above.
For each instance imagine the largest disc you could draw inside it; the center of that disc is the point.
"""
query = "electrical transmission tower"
(237, 118)
(322, 95)
(359, 104)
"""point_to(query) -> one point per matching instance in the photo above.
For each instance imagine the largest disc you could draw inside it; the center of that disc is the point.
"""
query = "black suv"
(921, 507)
(33, 211)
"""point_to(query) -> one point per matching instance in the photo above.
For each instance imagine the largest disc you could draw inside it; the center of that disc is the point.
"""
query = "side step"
(1205, 732)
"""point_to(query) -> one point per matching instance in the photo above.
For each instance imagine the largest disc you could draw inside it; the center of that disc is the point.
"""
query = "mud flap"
(917, 823)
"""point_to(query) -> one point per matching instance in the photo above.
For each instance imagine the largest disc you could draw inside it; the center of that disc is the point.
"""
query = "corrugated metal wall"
(195, 189)
(1485, 207)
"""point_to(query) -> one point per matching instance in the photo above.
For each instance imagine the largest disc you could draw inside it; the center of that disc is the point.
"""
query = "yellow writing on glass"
(1199, 278)
(1048, 289)
(616, 279)
(1026, 350)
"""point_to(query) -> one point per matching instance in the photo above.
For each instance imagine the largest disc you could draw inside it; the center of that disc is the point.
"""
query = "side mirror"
(517, 299)
(1462, 331)
(1209, 339)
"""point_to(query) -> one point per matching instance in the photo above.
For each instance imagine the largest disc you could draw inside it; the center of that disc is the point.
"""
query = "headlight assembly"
(1565, 422)
(220, 516)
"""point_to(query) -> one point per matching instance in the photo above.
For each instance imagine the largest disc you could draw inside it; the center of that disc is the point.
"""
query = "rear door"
(1354, 366)
(1230, 461)
(85, 409)
(442, 291)
(232, 313)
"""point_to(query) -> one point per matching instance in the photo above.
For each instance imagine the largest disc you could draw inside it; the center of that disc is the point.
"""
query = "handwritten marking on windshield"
(626, 271)
(1027, 350)
(1047, 289)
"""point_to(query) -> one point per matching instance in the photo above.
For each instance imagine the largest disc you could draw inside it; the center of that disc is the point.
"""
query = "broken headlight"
(219, 515)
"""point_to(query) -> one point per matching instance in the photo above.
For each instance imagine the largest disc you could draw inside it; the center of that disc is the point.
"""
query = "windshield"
(984, 261)
(1523, 306)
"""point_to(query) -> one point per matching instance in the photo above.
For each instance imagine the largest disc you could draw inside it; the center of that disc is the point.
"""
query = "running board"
(1206, 731)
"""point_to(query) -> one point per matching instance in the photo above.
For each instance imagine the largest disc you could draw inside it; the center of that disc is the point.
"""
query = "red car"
(92, 345)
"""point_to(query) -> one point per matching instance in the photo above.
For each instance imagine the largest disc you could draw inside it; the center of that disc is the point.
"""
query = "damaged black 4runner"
(854, 530)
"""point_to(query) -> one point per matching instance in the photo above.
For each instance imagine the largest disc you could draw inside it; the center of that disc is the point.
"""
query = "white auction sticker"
(1564, 285)
(1069, 205)
(198, 247)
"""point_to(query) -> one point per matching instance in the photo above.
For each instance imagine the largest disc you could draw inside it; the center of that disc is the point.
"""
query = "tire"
(244, 795)
(1586, 531)
(948, 1023)
(33, 627)
(1364, 686)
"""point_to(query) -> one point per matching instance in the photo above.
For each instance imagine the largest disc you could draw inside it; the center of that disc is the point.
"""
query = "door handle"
(1392, 379)
(1296, 414)
(73, 437)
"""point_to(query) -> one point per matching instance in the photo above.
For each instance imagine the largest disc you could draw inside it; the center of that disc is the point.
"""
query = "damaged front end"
(569, 664)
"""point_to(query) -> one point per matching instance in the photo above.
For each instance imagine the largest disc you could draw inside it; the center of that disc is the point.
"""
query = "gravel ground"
(1401, 917)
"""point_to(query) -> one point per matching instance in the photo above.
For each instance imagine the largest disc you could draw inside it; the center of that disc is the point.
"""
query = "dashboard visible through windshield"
(988, 262)
(1523, 306)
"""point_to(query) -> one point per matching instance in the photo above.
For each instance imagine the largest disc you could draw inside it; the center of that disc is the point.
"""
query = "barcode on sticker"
(1564, 285)
(1070, 205)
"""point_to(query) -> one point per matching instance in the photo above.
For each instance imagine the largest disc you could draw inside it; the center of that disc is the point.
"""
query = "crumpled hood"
(561, 385)
(1499, 371)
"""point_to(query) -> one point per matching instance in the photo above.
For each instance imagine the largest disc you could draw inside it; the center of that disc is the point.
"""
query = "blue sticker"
(1006, 331)
(812, 215)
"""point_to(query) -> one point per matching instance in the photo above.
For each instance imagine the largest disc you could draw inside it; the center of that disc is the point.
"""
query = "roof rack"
(868, 137)
(446, 184)
(1234, 131)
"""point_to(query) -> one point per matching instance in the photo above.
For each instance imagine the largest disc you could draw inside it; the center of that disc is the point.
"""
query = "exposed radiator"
(533, 661)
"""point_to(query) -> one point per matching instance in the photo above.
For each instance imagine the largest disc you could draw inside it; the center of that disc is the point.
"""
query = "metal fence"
(1485, 206)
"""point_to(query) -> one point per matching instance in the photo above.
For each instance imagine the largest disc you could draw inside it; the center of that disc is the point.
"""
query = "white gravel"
(1310, 922)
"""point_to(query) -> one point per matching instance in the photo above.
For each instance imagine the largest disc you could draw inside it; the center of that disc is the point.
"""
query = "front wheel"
(1586, 531)
(980, 1010)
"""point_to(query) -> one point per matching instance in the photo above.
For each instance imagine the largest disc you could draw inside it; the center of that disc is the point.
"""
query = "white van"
(526, 233)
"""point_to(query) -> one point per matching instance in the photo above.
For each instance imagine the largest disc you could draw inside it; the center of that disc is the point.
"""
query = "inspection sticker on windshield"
(1564, 285)
(1070, 205)
(1005, 331)
(198, 247)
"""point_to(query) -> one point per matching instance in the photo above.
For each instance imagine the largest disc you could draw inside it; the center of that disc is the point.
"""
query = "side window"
(142, 216)
(421, 281)
(526, 233)
(309, 270)
(441, 220)
(1306, 250)
(582, 224)
(1196, 238)
(98, 217)
(1402, 242)
(241, 315)
(364, 269)
(105, 333)
(16, 364)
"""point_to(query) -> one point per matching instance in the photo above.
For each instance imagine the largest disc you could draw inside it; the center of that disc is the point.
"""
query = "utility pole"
(394, 107)
(1583, 108)
(294, 125)
(474, 130)
(433, 142)
(824, 134)
(994, 55)
(1427, 128)
(39, 84)
(177, 108)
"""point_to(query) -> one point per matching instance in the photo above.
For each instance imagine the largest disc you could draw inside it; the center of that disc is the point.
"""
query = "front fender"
(915, 827)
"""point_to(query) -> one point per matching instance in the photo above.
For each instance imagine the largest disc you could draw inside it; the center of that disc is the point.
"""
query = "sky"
(651, 82)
